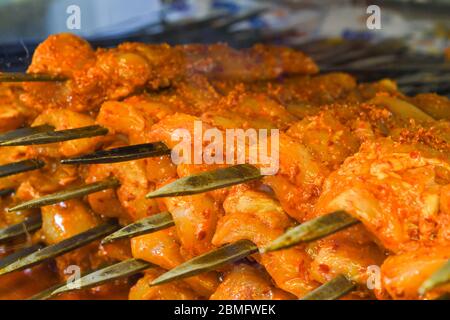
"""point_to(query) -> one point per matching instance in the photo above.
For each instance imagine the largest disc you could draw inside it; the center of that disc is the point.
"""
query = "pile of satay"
(94, 205)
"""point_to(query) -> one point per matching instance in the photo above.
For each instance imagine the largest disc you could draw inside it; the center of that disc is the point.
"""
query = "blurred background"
(411, 42)
(425, 23)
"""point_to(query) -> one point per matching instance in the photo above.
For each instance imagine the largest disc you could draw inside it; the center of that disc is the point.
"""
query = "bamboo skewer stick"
(29, 77)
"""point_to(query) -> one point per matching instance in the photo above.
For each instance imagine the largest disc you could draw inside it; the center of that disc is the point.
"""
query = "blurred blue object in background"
(31, 20)
(104, 17)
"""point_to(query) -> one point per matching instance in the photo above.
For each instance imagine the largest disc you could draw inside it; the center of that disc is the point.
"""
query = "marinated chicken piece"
(134, 117)
(194, 95)
(195, 216)
(93, 76)
(48, 179)
(335, 131)
(66, 55)
(195, 219)
(403, 274)
(163, 249)
(125, 119)
(66, 219)
(62, 54)
(301, 95)
(13, 114)
(31, 185)
(257, 217)
(244, 282)
(364, 92)
(400, 194)
(178, 131)
(240, 109)
(175, 290)
(436, 106)
(8, 218)
(261, 62)
(10, 117)
(52, 178)
(354, 256)
(155, 106)
(63, 120)
(327, 141)
(170, 130)
(298, 182)
(380, 117)
(402, 108)
(118, 250)
(140, 176)
(326, 137)
(394, 190)
(116, 73)
(130, 122)
(128, 202)
(160, 169)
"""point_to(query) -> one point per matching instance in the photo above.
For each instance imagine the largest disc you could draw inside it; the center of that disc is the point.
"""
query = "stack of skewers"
(359, 208)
